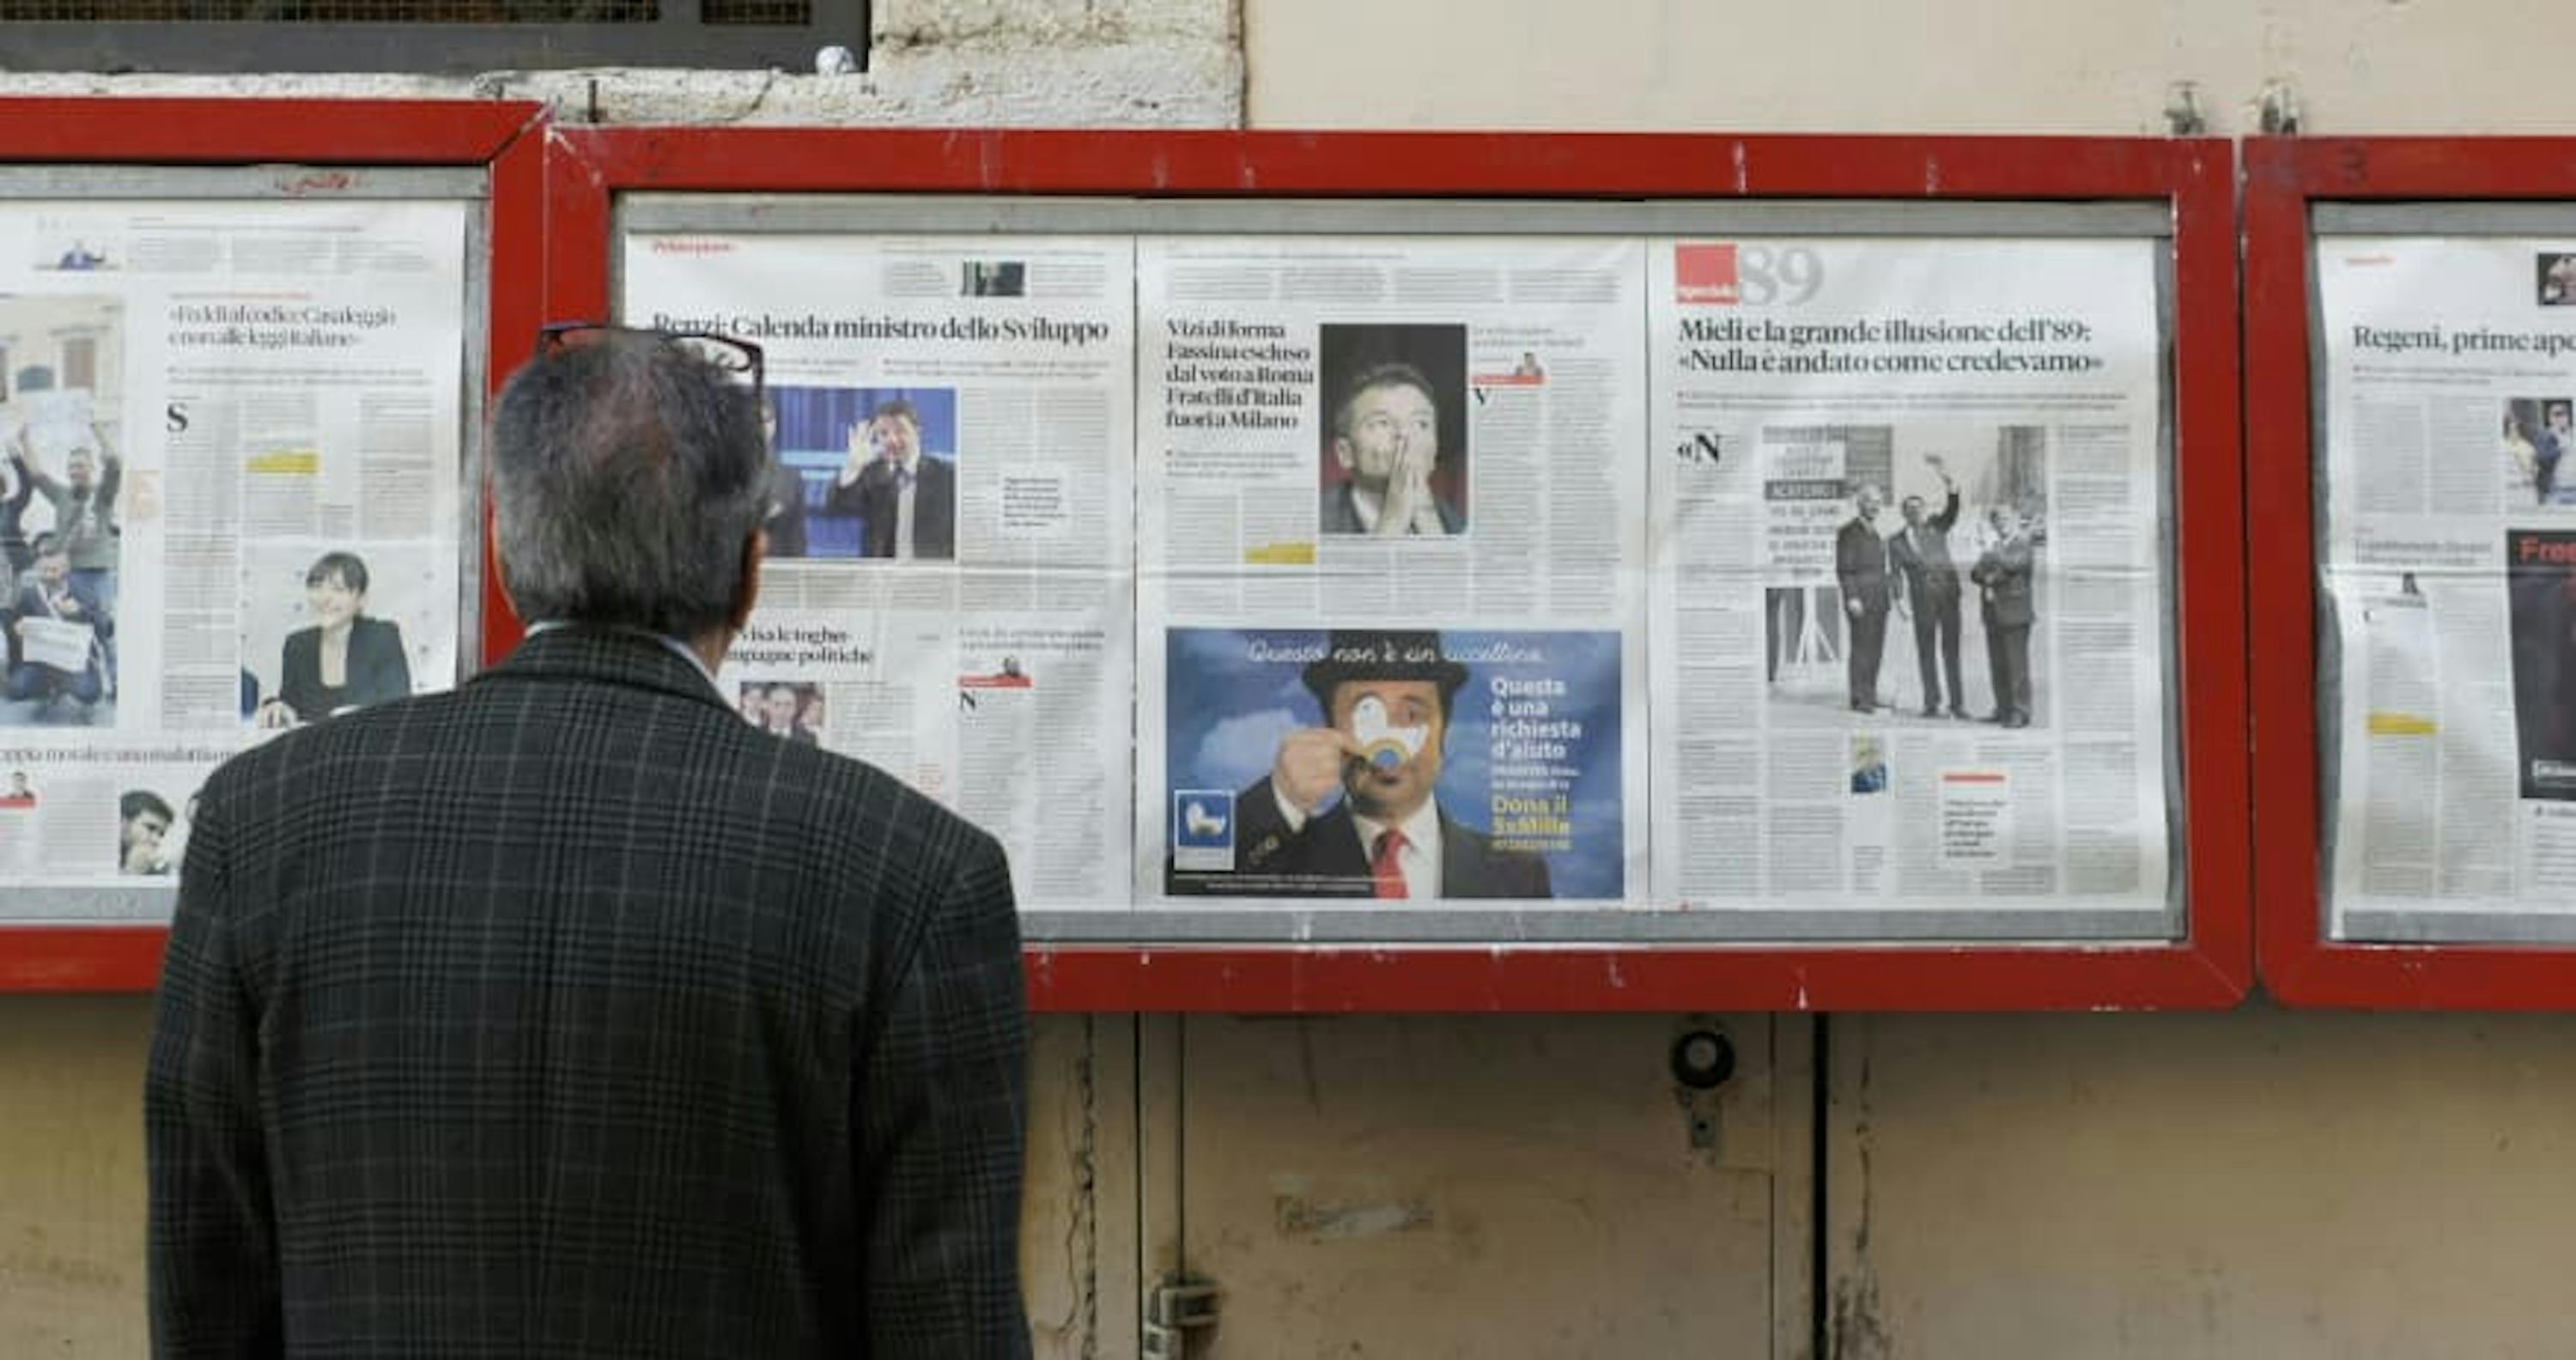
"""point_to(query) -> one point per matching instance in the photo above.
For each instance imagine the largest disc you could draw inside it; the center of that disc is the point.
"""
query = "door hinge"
(1172, 1308)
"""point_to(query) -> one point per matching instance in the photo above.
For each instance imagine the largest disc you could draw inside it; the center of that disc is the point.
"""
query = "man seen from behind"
(569, 1015)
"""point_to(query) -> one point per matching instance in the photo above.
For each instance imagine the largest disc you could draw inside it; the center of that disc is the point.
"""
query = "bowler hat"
(1374, 655)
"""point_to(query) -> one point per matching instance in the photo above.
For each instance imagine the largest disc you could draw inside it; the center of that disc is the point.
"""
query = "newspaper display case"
(243, 345)
(1195, 508)
(2411, 350)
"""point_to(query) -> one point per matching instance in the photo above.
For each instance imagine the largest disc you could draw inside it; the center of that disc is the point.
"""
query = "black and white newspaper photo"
(1391, 549)
(192, 393)
(2448, 539)
(62, 470)
(328, 629)
(1910, 591)
(952, 425)
(71, 824)
(1900, 570)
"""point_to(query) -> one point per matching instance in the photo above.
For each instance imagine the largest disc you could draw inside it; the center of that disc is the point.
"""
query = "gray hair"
(627, 475)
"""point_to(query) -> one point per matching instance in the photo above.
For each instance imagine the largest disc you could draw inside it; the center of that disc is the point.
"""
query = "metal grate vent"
(756, 12)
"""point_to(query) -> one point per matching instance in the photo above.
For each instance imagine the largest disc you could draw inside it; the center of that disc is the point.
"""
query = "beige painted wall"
(1493, 1187)
(1982, 66)
(72, 1180)
(71, 1175)
(2259, 1183)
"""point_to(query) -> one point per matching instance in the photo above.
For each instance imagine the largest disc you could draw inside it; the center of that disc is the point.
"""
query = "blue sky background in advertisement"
(1227, 712)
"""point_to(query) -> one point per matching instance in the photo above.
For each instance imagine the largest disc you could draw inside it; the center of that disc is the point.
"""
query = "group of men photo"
(1914, 573)
(59, 619)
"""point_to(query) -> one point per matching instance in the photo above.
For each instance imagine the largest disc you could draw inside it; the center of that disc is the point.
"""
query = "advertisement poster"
(1392, 765)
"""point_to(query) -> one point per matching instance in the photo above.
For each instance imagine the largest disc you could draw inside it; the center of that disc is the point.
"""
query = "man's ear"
(1342, 452)
(755, 551)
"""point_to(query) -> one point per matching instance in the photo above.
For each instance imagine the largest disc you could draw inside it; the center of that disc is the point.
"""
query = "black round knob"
(1703, 1059)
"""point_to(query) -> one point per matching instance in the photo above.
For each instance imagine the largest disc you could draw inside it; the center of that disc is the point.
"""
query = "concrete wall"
(1027, 63)
(1496, 1186)
(1887, 66)
(2257, 1183)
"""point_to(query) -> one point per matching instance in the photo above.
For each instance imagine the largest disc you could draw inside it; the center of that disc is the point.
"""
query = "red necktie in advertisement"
(1386, 865)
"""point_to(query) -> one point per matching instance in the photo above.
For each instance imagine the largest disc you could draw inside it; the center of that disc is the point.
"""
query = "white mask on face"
(1383, 745)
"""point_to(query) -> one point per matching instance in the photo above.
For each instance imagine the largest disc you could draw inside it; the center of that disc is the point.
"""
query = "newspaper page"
(1390, 572)
(1910, 598)
(230, 500)
(948, 592)
(2449, 580)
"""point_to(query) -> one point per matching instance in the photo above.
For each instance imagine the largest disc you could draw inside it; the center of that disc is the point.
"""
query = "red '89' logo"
(1705, 274)
(1725, 273)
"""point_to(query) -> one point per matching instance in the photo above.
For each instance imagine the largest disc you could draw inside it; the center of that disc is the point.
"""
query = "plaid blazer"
(568, 1015)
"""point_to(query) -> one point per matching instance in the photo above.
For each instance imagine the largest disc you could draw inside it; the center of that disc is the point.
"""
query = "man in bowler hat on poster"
(1388, 698)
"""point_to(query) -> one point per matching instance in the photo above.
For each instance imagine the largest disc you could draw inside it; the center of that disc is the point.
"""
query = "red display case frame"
(2211, 966)
(2284, 178)
(304, 140)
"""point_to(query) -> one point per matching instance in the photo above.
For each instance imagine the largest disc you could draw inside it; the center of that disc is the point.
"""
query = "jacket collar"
(610, 655)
